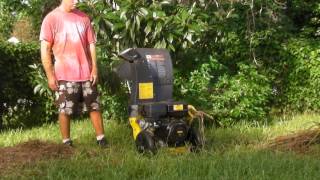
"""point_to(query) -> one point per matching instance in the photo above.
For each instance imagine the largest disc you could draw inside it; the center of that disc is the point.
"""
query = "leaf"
(165, 2)
(157, 45)
(116, 36)
(42, 91)
(171, 47)
(154, 15)
(158, 27)
(189, 37)
(170, 38)
(147, 29)
(113, 16)
(33, 66)
(163, 44)
(137, 22)
(143, 11)
(118, 26)
(37, 88)
(128, 24)
(123, 15)
(109, 24)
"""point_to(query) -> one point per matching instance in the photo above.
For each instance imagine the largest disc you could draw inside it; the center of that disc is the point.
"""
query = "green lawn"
(230, 153)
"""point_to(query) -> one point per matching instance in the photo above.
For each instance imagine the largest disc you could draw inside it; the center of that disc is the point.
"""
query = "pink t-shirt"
(70, 34)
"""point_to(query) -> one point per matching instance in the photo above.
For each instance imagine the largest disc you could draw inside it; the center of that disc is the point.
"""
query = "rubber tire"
(196, 140)
(145, 143)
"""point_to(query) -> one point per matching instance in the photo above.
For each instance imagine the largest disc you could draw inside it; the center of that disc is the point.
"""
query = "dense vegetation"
(237, 60)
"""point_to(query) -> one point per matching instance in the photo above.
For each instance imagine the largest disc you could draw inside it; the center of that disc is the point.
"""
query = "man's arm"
(47, 65)
(94, 71)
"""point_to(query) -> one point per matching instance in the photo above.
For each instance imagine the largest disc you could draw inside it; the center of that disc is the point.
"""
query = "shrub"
(243, 96)
(19, 106)
(302, 84)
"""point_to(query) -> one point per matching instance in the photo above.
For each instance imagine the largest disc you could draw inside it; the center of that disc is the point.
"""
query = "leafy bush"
(243, 96)
(302, 85)
(114, 96)
(41, 88)
(6, 22)
(19, 106)
(306, 17)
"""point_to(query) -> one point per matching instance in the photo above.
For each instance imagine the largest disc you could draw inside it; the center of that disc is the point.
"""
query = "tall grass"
(230, 153)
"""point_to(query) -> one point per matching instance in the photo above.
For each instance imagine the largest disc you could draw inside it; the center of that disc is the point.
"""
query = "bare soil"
(30, 152)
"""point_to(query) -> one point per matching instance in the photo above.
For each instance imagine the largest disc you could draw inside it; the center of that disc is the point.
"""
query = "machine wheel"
(145, 142)
(196, 139)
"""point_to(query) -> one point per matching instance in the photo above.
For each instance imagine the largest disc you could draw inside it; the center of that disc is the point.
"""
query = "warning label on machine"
(146, 90)
(155, 57)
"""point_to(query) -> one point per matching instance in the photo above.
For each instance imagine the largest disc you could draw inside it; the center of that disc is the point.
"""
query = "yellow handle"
(135, 127)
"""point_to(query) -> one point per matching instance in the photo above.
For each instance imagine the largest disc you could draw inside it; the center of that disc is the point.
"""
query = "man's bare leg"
(96, 119)
(64, 122)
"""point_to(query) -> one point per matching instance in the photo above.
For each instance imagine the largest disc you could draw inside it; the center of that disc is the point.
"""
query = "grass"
(230, 153)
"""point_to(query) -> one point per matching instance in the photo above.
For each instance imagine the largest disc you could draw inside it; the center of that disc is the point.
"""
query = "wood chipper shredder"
(156, 119)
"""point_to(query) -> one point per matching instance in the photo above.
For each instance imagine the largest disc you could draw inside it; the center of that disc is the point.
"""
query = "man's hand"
(94, 76)
(53, 83)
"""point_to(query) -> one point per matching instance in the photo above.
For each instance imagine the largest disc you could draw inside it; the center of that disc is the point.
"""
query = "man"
(68, 33)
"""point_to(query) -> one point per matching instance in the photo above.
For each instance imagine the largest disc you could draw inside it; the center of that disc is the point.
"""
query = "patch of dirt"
(30, 152)
(299, 142)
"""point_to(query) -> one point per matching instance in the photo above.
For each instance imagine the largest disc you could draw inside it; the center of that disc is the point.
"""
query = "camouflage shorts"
(74, 97)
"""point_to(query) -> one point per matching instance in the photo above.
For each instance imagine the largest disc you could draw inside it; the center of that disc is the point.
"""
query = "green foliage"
(306, 16)
(244, 96)
(230, 98)
(38, 9)
(19, 105)
(113, 94)
(235, 83)
(6, 21)
(301, 90)
(141, 24)
(41, 88)
(12, 10)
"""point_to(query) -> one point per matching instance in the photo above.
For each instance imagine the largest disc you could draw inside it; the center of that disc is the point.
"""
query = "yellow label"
(146, 90)
(178, 107)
